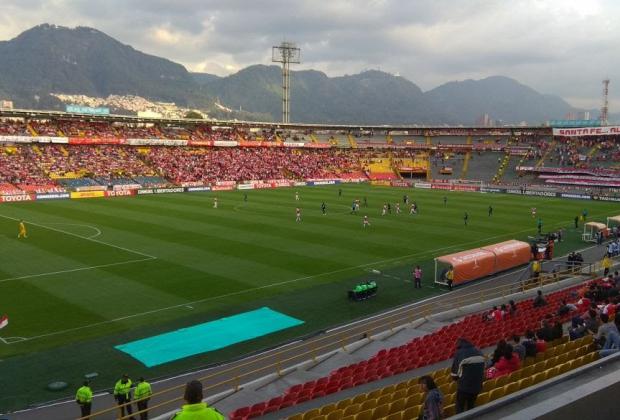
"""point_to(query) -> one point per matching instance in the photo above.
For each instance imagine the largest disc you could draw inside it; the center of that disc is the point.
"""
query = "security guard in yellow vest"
(195, 409)
(142, 395)
(84, 397)
(122, 395)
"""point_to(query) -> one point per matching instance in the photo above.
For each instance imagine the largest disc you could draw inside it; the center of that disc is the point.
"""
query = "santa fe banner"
(4, 321)
(587, 131)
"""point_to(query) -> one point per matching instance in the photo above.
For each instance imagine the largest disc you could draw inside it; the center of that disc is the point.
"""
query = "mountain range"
(53, 59)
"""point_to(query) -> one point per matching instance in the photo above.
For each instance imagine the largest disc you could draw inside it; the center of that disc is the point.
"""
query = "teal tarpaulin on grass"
(213, 335)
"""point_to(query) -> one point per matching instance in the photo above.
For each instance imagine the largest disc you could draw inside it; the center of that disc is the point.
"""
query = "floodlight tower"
(605, 108)
(286, 53)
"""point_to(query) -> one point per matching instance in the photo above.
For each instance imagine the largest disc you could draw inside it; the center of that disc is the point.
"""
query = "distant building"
(583, 115)
(5, 104)
(485, 121)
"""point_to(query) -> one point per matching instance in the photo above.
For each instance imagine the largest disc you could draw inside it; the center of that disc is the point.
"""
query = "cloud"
(563, 47)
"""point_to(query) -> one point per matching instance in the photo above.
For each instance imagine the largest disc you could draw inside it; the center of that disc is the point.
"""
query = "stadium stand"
(430, 349)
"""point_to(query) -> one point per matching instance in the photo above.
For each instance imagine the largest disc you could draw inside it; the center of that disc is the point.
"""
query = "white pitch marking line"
(97, 231)
(73, 270)
(82, 237)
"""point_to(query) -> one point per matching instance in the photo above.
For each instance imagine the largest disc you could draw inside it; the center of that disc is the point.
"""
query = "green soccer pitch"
(96, 273)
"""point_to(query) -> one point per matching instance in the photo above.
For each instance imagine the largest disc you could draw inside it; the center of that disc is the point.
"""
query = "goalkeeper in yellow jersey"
(22, 230)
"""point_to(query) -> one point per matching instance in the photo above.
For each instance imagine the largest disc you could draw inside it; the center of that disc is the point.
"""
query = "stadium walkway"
(68, 409)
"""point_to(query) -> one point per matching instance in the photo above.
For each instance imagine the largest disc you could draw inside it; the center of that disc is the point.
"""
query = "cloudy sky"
(563, 47)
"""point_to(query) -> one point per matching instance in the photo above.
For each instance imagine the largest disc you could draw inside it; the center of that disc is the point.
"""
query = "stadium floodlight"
(286, 53)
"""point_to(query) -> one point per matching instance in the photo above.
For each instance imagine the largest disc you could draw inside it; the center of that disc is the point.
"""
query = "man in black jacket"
(468, 370)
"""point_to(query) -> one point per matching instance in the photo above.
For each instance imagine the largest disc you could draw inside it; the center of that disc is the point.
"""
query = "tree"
(193, 115)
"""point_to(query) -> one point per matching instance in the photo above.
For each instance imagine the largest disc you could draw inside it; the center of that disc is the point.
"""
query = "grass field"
(96, 273)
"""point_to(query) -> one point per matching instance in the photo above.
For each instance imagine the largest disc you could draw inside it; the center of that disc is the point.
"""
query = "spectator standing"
(468, 370)
(517, 347)
(417, 277)
(84, 398)
(195, 409)
(605, 329)
(122, 395)
(606, 263)
(433, 400)
(450, 278)
(142, 395)
(539, 300)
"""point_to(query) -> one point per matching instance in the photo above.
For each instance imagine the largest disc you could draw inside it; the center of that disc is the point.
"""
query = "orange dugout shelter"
(481, 262)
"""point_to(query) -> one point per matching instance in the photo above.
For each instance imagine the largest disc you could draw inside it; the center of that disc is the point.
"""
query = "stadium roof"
(37, 114)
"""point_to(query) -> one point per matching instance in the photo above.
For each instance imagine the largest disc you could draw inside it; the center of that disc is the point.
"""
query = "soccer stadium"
(217, 238)
(277, 264)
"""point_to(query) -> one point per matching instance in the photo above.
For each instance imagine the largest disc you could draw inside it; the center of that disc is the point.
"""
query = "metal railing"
(232, 377)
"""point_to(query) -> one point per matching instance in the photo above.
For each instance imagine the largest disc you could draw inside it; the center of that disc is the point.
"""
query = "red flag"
(4, 321)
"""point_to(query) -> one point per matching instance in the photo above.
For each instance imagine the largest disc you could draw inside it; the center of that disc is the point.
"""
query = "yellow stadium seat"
(335, 415)
(412, 412)
(395, 416)
(344, 403)
(400, 393)
(525, 382)
(369, 405)
(488, 385)
(352, 409)
(326, 409)
(511, 387)
(358, 399)
(299, 416)
(514, 376)
(592, 357)
(384, 399)
(528, 361)
(564, 367)
(539, 357)
(538, 378)
(449, 411)
(572, 354)
(449, 399)
(414, 400)
(445, 388)
(387, 390)
(349, 418)
(527, 371)
(312, 414)
(381, 411)
(374, 394)
(442, 380)
(364, 415)
(398, 405)
(401, 385)
(501, 381)
(496, 393)
(482, 399)
(554, 371)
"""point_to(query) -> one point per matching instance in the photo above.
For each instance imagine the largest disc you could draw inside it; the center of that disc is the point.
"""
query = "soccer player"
(22, 230)
(298, 214)
(539, 225)
(215, 202)
(533, 211)
(445, 201)
(366, 222)
(490, 211)
(339, 192)
(245, 197)
(357, 204)
(466, 218)
(412, 209)
(323, 208)
(296, 196)
(384, 210)
(389, 206)
(415, 206)
(353, 208)
(397, 208)
(365, 202)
